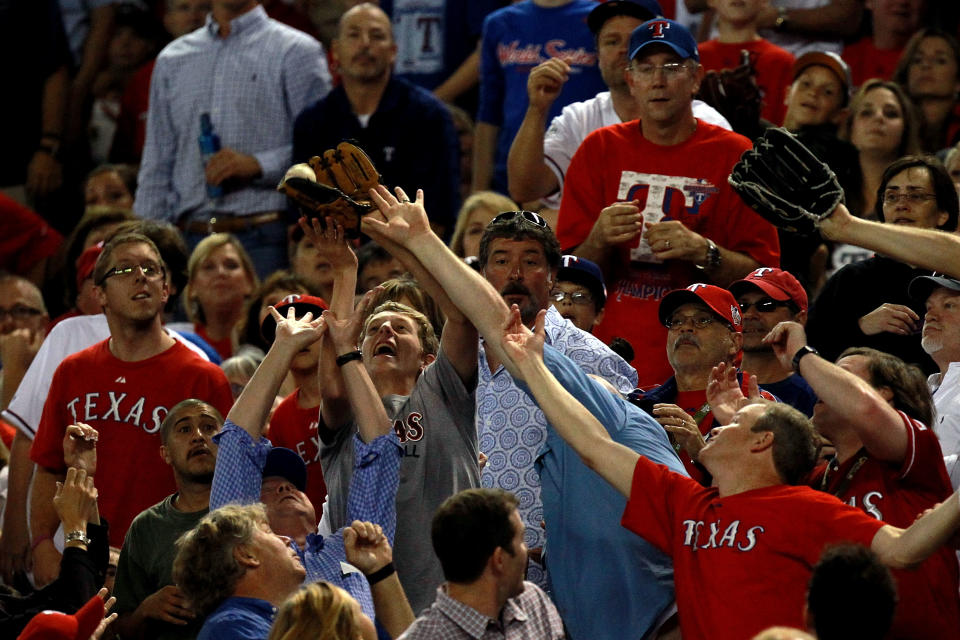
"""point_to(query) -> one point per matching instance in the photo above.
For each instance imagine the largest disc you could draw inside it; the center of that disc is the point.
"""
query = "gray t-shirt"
(435, 424)
(146, 562)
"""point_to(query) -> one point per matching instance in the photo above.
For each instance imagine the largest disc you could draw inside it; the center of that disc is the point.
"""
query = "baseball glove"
(334, 185)
(735, 94)
(785, 183)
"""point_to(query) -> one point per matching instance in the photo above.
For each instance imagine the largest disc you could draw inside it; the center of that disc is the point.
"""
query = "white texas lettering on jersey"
(699, 535)
(661, 189)
(869, 503)
(117, 407)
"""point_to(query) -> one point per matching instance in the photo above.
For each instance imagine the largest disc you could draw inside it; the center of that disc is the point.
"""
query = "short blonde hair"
(200, 253)
(496, 202)
(319, 611)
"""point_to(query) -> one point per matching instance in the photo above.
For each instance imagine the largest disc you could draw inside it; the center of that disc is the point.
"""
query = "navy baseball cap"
(921, 287)
(301, 303)
(585, 273)
(640, 9)
(664, 31)
(285, 463)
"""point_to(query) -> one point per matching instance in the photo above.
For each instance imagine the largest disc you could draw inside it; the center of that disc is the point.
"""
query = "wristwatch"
(781, 20)
(713, 256)
(801, 352)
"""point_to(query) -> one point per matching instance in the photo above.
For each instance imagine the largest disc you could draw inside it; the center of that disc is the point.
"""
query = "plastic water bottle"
(209, 145)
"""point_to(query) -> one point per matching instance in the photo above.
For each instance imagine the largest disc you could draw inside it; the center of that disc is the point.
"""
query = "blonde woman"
(477, 211)
(322, 611)
(221, 278)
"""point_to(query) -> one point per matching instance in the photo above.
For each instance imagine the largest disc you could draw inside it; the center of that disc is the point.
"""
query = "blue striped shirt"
(253, 83)
(373, 495)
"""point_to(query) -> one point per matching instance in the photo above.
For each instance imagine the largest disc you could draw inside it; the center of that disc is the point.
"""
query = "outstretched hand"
(345, 332)
(523, 348)
(786, 339)
(107, 616)
(725, 395)
(80, 447)
(296, 334)
(330, 241)
(75, 498)
(403, 219)
(366, 546)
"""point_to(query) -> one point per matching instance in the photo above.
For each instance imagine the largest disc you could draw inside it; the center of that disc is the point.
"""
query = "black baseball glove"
(785, 183)
(334, 185)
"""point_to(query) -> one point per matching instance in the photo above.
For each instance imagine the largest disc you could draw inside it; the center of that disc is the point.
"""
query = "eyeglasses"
(577, 297)
(764, 305)
(910, 197)
(19, 312)
(150, 271)
(528, 216)
(700, 321)
(670, 69)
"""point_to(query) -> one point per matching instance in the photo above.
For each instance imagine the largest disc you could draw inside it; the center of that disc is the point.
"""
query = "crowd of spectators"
(566, 383)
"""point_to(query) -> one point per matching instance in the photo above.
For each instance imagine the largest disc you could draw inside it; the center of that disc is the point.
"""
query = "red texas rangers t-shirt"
(741, 563)
(296, 428)
(125, 402)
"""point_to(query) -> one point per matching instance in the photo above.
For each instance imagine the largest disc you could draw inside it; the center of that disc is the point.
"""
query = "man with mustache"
(407, 132)
(147, 598)
(941, 339)
(704, 329)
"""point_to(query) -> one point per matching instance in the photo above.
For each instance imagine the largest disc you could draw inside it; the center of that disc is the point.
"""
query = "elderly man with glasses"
(123, 387)
(704, 330)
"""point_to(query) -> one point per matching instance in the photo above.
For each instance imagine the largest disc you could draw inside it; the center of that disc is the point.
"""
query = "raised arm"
(928, 248)
(365, 404)
(854, 400)
(406, 224)
(528, 175)
(575, 424)
(251, 409)
(331, 245)
(907, 548)
(459, 337)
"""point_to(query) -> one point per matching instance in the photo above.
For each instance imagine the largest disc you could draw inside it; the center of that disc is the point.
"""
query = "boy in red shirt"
(737, 31)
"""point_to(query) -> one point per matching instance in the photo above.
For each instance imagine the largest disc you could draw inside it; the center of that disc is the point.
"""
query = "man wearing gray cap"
(941, 339)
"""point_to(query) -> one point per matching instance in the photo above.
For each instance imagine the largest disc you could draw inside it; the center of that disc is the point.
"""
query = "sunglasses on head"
(528, 216)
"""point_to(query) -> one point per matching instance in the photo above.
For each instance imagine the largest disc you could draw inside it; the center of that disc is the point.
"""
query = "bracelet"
(38, 540)
(382, 573)
(349, 357)
(76, 536)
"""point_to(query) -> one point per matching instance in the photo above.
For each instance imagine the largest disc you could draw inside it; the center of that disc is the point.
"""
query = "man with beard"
(940, 339)
(145, 592)
(385, 116)
(704, 329)
(767, 297)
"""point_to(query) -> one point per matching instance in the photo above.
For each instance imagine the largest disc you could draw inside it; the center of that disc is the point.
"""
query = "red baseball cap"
(301, 303)
(86, 262)
(54, 625)
(717, 299)
(776, 283)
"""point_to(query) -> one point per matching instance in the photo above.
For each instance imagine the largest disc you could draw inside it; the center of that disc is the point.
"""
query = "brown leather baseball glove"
(334, 185)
